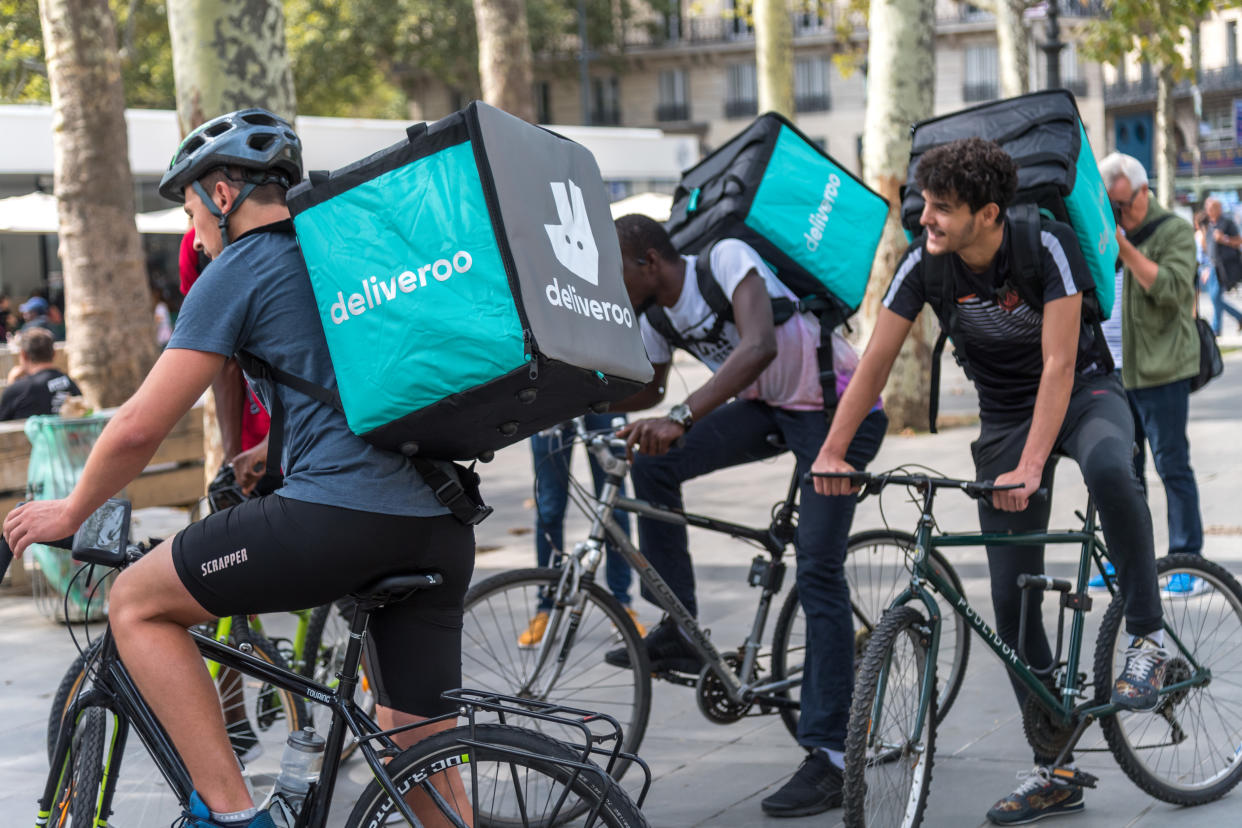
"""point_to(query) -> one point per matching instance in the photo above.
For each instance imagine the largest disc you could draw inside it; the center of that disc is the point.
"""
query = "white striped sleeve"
(903, 271)
(1053, 245)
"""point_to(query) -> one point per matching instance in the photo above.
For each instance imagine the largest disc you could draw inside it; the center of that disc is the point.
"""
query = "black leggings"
(1098, 433)
(273, 554)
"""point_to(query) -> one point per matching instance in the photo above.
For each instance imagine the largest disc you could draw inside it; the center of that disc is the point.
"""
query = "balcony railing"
(978, 92)
(1218, 79)
(812, 103)
(1076, 85)
(706, 29)
(966, 13)
(608, 116)
(673, 112)
(741, 108)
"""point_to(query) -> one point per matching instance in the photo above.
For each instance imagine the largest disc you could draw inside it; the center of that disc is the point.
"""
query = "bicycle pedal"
(1074, 776)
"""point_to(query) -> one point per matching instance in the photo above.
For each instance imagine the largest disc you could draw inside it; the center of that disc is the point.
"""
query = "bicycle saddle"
(395, 588)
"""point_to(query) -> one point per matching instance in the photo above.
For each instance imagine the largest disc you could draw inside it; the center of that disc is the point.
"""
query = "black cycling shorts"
(273, 554)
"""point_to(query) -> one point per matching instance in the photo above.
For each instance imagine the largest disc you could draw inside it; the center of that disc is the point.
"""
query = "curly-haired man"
(1045, 385)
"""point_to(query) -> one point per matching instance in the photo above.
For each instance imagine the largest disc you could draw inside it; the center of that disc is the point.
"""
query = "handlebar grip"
(858, 478)
(1044, 582)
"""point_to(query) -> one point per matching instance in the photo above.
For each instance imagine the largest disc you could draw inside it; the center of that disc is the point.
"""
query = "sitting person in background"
(36, 385)
(34, 314)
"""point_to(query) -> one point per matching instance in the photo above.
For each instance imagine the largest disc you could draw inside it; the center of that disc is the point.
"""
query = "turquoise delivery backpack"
(469, 285)
(814, 223)
(1056, 171)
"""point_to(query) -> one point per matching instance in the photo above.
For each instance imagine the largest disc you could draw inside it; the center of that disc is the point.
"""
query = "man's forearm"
(738, 372)
(229, 388)
(1055, 386)
(120, 454)
(1143, 268)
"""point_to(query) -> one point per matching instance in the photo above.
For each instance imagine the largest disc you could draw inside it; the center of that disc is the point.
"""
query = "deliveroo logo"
(572, 241)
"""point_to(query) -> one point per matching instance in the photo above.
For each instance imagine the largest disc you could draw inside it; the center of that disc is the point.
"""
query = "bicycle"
(493, 773)
(586, 620)
(1168, 752)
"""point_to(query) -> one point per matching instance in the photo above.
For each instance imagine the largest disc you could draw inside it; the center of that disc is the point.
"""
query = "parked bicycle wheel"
(876, 566)
(517, 777)
(78, 792)
(327, 636)
(887, 769)
(1189, 750)
(567, 665)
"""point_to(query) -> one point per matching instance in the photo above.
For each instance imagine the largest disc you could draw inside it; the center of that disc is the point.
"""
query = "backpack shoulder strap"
(1144, 232)
(661, 324)
(938, 294)
(1025, 223)
(711, 290)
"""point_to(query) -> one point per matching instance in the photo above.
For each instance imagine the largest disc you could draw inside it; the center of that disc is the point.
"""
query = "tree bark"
(901, 69)
(774, 57)
(229, 55)
(110, 327)
(505, 71)
(1011, 48)
(1165, 139)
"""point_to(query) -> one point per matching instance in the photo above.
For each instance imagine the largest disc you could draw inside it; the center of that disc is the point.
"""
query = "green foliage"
(1156, 29)
(851, 52)
(23, 78)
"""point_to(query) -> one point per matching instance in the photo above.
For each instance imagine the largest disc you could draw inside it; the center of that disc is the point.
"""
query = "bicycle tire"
(867, 800)
(77, 795)
(260, 707)
(528, 760)
(499, 608)
(327, 636)
(70, 685)
(1207, 625)
(870, 595)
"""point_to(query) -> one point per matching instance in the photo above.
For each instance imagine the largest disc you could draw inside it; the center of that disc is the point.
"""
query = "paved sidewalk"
(716, 775)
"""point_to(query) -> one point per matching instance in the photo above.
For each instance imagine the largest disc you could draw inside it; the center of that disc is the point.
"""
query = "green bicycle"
(1186, 751)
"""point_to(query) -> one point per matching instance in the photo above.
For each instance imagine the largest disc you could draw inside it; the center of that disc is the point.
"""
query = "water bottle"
(299, 767)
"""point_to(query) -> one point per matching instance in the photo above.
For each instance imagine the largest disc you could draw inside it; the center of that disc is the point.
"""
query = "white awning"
(654, 205)
(37, 213)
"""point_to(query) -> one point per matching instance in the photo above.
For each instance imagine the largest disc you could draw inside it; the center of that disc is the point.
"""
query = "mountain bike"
(1186, 751)
(585, 620)
(482, 773)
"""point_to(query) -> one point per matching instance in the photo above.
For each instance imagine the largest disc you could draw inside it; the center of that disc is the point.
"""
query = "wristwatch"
(681, 415)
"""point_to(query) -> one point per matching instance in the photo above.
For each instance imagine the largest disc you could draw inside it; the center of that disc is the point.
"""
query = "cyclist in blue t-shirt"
(301, 543)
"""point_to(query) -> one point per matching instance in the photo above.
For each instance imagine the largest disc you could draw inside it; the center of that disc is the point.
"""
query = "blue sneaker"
(198, 815)
(1096, 584)
(1184, 585)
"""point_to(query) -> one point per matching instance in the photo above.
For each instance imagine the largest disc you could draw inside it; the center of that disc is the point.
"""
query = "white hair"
(1117, 165)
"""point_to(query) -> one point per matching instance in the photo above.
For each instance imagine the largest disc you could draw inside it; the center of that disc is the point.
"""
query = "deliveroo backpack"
(1057, 180)
(469, 286)
(814, 223)
(1056, 172)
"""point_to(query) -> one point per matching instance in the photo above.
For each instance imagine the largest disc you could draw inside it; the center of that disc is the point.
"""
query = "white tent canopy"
(37, 213)
(654, 205)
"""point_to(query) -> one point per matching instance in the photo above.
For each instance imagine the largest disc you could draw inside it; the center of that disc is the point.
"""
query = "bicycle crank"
(713, 696)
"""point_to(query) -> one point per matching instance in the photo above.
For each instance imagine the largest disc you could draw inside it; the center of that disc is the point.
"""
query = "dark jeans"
(1162, 412)
(1098, 433)
(1219, 306)
(551, 457)
(735, 434)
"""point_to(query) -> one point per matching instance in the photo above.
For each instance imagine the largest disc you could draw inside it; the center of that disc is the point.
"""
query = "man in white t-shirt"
(765, 381)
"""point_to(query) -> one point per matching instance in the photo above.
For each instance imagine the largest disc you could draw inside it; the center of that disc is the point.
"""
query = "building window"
(674, 100)
(672, 22)
(605, 101)
(810, 18)
(1231, 43)
(741, 91)
(1072, 76)
(1218, 116)
(735, 19)
(981, 74)
(543, 102)
(811, 85)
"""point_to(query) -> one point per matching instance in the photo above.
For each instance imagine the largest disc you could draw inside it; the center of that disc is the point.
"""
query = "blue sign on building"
(1133, 136)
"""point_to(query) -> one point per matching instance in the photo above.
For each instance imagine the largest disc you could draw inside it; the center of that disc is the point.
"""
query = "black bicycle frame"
(114, 690)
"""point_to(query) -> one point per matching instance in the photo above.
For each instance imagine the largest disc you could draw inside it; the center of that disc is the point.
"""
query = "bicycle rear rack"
(470, 702)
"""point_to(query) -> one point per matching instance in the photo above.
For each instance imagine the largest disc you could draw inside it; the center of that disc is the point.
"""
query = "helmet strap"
(222, 218)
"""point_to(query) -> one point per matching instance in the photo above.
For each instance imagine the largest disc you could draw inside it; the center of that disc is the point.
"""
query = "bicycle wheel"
(77, 795)
(70, 685)
(568, 666)
(258, 717)
(1189, 749)
(887, 773)
(877, 568)
(327, 636)
(516, 777)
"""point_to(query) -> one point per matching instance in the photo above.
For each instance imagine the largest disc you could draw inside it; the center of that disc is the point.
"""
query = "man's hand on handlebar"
(38, 520)
(248, 467)
(1015, 500)
(831, 486)
(654, 435)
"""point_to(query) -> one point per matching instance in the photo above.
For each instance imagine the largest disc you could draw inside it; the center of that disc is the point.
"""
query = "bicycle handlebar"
(873, 484)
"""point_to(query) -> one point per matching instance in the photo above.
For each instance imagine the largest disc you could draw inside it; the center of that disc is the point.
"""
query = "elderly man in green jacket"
(1159, 341)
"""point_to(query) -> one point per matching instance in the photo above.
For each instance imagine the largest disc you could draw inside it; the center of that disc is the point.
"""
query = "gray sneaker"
(1138, 686)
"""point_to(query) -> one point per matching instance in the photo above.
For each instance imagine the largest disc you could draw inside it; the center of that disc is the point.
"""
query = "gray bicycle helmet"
(262, 144)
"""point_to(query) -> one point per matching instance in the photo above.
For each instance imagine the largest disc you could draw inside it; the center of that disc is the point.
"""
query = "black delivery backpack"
(469, 286)
(813, 222)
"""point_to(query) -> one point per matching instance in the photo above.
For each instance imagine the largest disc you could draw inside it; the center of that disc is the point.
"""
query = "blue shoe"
(1040, 795)
(1096, 584)
(1184, 585)
(198, 815)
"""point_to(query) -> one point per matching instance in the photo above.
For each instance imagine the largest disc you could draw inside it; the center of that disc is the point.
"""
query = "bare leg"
(150, 610)
(448, 784)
